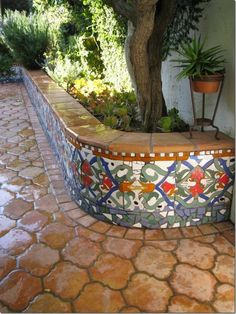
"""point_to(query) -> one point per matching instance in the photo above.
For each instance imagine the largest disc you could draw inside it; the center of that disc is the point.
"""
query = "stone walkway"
(55, 258)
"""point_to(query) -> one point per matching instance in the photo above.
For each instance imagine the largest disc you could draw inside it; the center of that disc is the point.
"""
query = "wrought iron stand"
(203, 122)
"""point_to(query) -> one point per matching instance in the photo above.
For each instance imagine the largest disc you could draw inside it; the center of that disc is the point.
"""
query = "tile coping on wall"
(136, 180)
(82, 129)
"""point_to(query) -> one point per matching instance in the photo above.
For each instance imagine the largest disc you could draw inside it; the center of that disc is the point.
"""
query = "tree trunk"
(149, 19)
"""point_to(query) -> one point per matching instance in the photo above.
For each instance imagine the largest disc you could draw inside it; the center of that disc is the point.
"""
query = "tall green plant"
(27, 37)
(197, 61)
(110, 30)
(6, 60)
(19, 5)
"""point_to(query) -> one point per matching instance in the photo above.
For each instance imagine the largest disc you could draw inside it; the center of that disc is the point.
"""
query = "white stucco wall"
(218, 25)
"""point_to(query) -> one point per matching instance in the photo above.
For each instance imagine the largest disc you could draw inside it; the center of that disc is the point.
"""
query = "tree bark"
(149, 19)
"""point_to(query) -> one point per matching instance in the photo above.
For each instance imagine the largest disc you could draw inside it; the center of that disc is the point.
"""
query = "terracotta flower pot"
(207, 84)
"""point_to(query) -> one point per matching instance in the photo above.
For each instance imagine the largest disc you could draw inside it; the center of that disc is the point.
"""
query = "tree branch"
(123, 8)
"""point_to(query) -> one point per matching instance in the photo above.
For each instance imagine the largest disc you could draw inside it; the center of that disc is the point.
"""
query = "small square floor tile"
(207, 229)
(117, 231)
(190, 232)
(137, 234)
(172, 233)
(154, 235)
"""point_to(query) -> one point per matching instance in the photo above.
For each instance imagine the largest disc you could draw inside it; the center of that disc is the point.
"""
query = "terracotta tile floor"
(55, 258)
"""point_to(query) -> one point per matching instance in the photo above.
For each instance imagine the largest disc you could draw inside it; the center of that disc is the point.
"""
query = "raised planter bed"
(135, 179)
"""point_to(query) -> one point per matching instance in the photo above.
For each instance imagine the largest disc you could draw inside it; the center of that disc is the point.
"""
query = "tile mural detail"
(154, 194)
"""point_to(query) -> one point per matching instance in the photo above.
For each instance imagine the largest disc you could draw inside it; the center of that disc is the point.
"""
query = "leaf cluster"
(27, 37)
(197, 61)
(173, 122)
(113, 108)
(19, 5)
(187, 16)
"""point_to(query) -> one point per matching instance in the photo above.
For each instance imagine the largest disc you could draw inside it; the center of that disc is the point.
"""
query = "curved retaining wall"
(134, 179)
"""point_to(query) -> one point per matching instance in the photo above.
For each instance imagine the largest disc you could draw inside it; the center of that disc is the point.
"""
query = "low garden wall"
(134, 179)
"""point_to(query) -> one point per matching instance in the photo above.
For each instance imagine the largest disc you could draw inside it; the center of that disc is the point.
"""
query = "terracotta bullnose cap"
(82, 126)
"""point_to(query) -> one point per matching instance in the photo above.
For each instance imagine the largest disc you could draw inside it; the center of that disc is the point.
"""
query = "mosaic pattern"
(153, 194)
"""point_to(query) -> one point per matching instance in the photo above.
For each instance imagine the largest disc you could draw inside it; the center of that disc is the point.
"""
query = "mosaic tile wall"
(150, 194)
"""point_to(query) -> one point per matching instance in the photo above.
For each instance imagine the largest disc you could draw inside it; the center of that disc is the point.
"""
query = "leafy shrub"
(173, 122)
(113, 108)
(6, 65)
(19, 5)
(27, 37)
(62, 70)
(111, 33)
(6, 60)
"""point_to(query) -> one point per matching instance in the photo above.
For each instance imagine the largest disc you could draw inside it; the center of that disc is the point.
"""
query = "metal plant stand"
(203, 122)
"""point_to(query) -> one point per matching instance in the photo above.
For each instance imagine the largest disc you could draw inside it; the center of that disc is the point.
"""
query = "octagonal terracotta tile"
(47, 303)
(56, 235)
(18, 289)
(66, 280)
(223, 246)
(16, 241)
(183, 304)
(81, 251)
(16, 184)
(17, 208)
(193, 282)
(32, 192)
(7, 263)
(196, 254)
(148, 293)
(224, 269)
(6, 175)
(112, 271)
(31, 172)
(6, 224)
(96, 298)
(155, 262)
(225, 299)
(5, 197)
(18, 165)
(39, 259)
(33, 221)
(41, 180)
(47, 203)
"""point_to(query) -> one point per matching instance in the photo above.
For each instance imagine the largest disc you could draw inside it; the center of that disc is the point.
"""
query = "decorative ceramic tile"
(151, 186)
(203, 181)
(150, 193)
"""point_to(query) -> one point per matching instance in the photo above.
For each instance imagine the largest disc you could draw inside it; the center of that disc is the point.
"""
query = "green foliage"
(72, 36)
(3, 47)
(197, 61)
(111, 31)
(187, 16)
(113, 108)
(89, 33)
(173, 122)
(27, 37)
(63, 70)
(6, 60)
(5, 65)
(19, 5)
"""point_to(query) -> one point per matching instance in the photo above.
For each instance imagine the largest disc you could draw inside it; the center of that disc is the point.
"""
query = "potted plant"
(205, 67)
